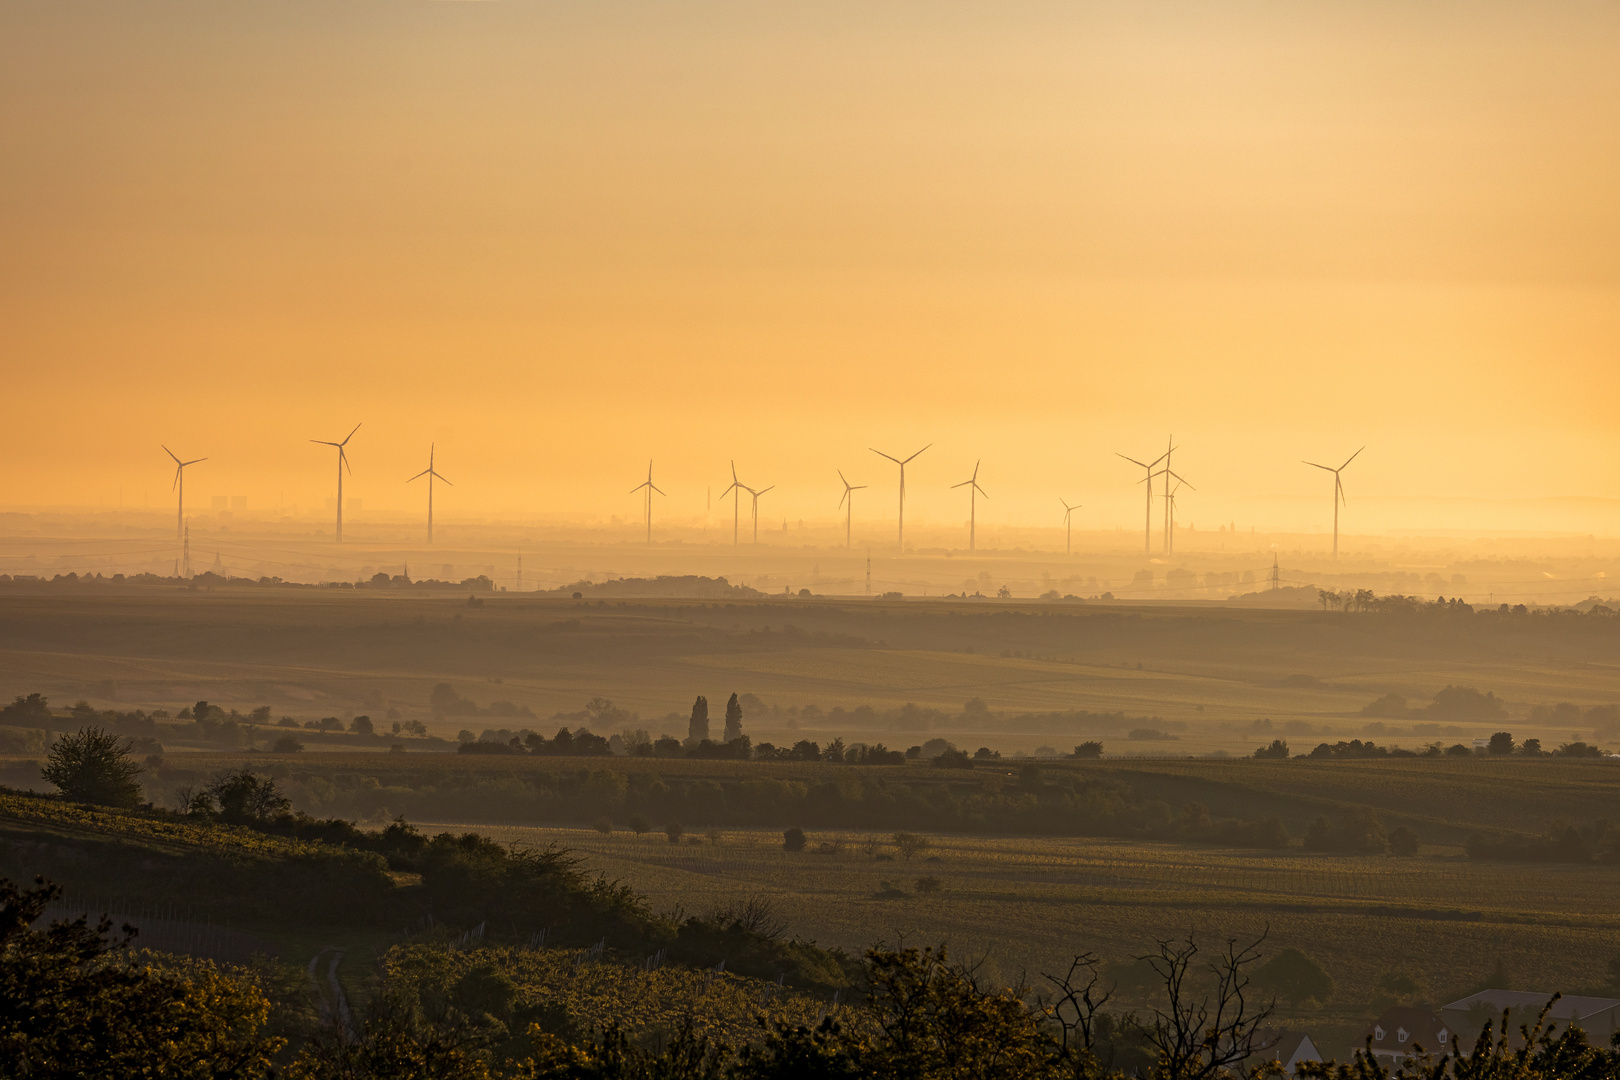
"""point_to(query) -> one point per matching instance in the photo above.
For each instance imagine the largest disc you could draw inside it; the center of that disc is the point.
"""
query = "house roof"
(1565, 1008)
(1401, 1028)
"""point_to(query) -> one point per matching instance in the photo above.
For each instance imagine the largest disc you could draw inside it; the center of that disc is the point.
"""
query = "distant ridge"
(687, 586)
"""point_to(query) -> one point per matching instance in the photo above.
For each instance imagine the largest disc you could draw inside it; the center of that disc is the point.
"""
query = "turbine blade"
(443, 480)
(176, 478)
(166, 450)
(858, 487)
(349, 436)
(323, 442)
(1351, 458)
(842, 497)
(771, 488)
(880, 453)
(419, 475)
(1324, 468)
(655, 487)
(193, 461)
(964, 483)
(908, 460)
(343, 459)
(1133, 461)
(980, 490)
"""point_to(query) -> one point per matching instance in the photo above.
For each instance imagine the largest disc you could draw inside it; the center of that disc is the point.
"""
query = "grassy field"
(1023, 905)
(1208, 671)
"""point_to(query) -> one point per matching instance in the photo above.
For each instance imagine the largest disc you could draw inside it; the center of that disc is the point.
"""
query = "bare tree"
(910, 844)
(1201, 1036)
(755, 913)
(1078, 999)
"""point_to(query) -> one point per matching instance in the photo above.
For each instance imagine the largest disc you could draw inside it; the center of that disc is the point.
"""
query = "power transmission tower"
(1276, 574)
(185, 552)
(868, 571)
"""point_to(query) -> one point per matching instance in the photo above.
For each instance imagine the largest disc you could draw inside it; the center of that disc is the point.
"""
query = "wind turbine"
(180, 485)
(756, 495)
(342, 463)
(650, 488)
(1068, 530)
(1338, 493)
(1170, 507)
(902, 465)
(736, 501)
(432, 475)
(1147, 529)
(848, 496)
(974, 491)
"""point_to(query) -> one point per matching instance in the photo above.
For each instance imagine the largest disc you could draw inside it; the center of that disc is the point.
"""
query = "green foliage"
(93, 767)
(71, 1007)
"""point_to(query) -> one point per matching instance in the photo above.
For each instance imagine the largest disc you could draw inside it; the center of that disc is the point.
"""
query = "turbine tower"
(735, 491)
(756, 495)
(849, 497)
(1068, 530)
(902, 465)
(649, 487)
(342, 463)
(974, 491)
(1338, 493)
(180, 486)
(1147, 529)
(1170, 505)
(432, 475)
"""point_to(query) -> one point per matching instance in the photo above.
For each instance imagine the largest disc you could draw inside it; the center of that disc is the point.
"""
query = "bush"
(1403, 841)
(288, 744)
(1092, 749)
(1294, 977)
(793, 839)
(94, 767)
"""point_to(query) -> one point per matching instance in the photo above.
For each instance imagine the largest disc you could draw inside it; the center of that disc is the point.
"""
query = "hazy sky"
(560, 238)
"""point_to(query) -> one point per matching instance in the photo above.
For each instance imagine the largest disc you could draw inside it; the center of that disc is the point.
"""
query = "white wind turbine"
(735, 491)
(1338, 493)
(756, 495)
(974, 491)
(1068, 530)
(1147, 531)
(180, 486)
(342, 463)
(849, 497)
(649, 487)
(902, 465)
(432, 474)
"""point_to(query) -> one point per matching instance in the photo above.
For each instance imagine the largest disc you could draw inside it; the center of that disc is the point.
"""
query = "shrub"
(674, 830)
(793, 839)
(1403, 841)
(1092, 749)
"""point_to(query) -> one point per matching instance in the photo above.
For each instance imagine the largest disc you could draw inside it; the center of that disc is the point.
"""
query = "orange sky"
(560, 238)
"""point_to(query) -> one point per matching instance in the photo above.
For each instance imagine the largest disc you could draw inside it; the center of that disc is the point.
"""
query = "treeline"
(1565, 843)
(208, 580)
(200, 722)
(1499, 745)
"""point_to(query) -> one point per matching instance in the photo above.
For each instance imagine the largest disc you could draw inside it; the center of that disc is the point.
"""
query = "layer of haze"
(559, 239)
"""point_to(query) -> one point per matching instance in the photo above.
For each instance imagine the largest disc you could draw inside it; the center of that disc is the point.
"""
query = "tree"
(793, 839)
(1203, 1037)
(697, 729)
(910, 844)
(674, 830)
(604, 825)
(1403, 841)
(1091, 749)
(243, 797)
(1294, 977)
(361, 725)
(288, 744)
(94, 767)
(733, 719)
(1278, 749)
(1501, 743)
(638, 824)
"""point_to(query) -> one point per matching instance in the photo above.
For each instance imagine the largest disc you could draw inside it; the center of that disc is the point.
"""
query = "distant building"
(1598, 1017)
(1407, 1031)
(1288, 1047)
